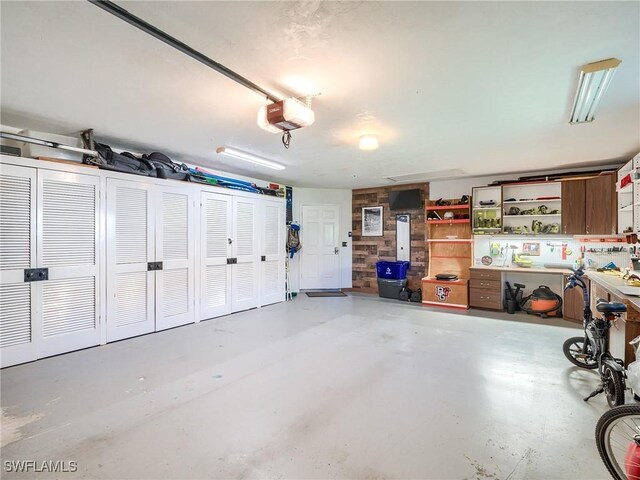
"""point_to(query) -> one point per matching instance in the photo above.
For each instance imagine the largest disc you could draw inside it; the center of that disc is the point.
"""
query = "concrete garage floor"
(352, 387)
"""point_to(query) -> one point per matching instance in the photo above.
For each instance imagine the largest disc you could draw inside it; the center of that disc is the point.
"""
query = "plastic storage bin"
(392, 270)
(32, 150)
(390, 288)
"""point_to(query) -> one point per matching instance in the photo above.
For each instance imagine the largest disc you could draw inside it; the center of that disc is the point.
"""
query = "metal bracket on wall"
(36, 274)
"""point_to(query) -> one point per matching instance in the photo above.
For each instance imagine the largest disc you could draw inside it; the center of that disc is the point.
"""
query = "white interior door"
(130, 248)
(272, 288)
(175, 248)
(245, 278)
(17, 253)
(67, 244)
(320, 254)
(215, 248)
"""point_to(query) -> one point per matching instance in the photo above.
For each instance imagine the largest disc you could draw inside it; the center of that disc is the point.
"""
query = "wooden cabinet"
(573, 207)
(600, 205)
(589, 206)
(485, 289)
(573, 302)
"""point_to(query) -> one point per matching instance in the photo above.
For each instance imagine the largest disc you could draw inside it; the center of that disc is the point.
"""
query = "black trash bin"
(390, 288)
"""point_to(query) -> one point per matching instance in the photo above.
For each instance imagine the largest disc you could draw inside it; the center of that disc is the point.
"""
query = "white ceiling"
(485, 87)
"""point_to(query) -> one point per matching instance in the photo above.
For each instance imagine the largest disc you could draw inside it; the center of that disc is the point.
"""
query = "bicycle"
(591, 351)
(618, 441)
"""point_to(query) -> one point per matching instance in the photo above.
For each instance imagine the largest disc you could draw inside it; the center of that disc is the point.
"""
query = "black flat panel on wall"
(405, 199)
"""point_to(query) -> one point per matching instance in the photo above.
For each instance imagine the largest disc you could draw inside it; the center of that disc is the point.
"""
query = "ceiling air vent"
(426, 176)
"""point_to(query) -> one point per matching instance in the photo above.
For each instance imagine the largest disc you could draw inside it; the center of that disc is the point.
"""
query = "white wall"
(324, 196)
(462, 186)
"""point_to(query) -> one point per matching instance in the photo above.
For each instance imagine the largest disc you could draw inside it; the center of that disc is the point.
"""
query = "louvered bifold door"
(215, 251)
(17, 253)
(67, 245)
(245, 291)
(272, 244)
(175, 248)
(130, 249)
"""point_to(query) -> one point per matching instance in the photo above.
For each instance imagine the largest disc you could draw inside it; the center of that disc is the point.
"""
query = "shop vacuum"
(542, 301)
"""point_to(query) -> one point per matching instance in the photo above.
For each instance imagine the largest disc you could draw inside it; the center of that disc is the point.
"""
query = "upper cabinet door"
(272, 244)
(17, 253)
(601, 209)
(175, 248)
(130, 249)
(67, 244)
(245, 270)
(215, 248)
(573, 207)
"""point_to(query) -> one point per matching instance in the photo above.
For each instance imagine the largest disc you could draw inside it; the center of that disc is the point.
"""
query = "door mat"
(326, 294)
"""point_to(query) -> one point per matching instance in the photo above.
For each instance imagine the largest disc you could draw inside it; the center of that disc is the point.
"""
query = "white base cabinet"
(91, 256)
(49, 281)
(150, 257)
(229, 243)
(272, 265)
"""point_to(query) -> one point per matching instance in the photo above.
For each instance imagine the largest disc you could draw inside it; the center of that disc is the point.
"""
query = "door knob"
(335, 250)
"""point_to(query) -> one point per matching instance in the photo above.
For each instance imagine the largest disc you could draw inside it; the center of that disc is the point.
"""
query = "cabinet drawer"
(480, 298)
(489, 286)
(486, 274)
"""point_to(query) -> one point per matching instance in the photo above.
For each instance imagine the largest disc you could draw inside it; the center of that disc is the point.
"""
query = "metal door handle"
(336, 250)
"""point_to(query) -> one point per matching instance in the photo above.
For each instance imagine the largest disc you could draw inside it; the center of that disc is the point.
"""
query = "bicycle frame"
(599, 341)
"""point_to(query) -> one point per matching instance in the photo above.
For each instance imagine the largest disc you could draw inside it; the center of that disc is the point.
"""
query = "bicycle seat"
(611, 307)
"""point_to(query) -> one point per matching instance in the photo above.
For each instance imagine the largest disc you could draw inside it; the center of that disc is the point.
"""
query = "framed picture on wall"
(372, 221)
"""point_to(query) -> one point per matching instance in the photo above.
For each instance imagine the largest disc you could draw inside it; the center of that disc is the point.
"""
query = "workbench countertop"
(612, 283)
(522, 269)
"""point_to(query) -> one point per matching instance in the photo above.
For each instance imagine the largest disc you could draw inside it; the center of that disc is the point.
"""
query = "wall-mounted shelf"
(537, 215)
(535, 201)
(486, 208)
(449, 240)
(447, 222)
(447, 207)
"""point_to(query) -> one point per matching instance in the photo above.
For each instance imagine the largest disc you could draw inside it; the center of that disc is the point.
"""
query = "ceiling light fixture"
(249, 157)
(594, 81)
(368, 141)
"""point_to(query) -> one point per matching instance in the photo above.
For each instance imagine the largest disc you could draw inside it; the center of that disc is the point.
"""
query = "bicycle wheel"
(572, 349)
(613, 386)
(616, 433)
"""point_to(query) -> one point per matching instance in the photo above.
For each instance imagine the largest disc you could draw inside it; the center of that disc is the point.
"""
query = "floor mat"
(326, 294)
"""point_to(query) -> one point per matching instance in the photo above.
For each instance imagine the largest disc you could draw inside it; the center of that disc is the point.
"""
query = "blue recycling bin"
(392, 270)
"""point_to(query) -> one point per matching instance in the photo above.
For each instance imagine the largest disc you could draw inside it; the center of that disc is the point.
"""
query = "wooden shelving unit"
(450, 251)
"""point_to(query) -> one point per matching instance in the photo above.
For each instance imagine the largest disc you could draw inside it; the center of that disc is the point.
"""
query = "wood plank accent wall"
(368, 250)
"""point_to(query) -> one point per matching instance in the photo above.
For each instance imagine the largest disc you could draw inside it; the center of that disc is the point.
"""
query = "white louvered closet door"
(17, 253)
(245, 290)
(130, 247)
(67, 244)
(175, 248)
(215, 274)
(272, 288)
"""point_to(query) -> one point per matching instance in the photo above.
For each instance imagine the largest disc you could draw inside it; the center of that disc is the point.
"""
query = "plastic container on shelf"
(35, 151)
(392, 270)
(390, 288)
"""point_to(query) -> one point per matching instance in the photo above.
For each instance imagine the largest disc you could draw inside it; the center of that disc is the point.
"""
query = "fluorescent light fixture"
(368, 141)
(249, 157)
(594, 81)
